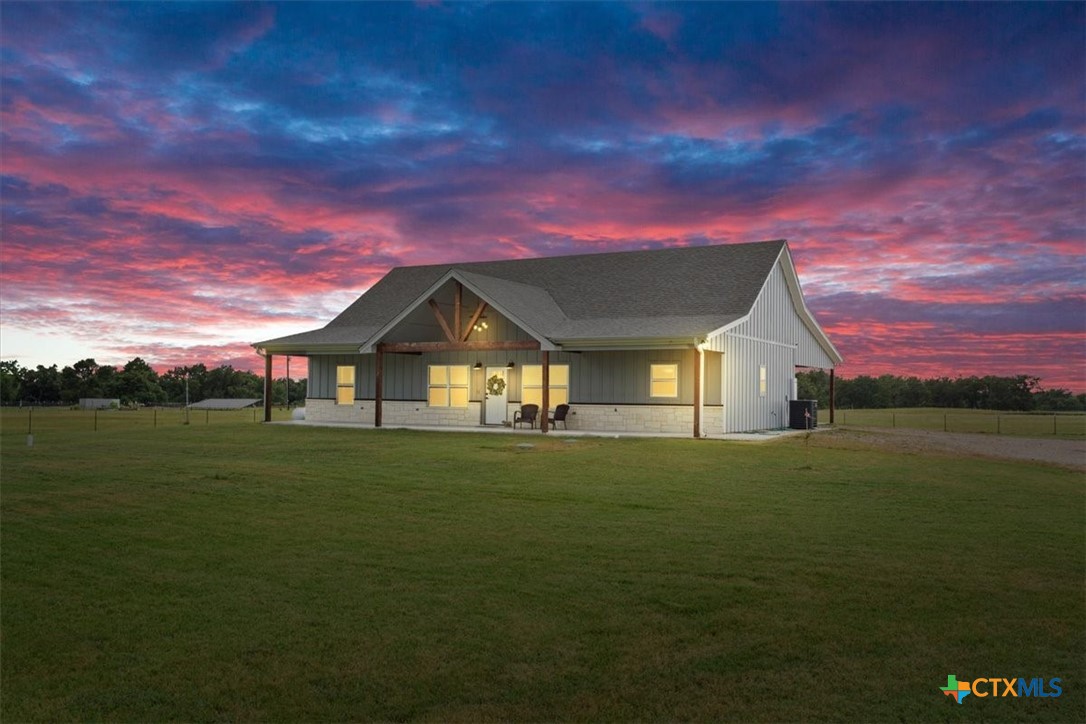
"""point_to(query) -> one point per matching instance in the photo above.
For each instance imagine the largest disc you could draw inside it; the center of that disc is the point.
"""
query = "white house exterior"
(697, 340)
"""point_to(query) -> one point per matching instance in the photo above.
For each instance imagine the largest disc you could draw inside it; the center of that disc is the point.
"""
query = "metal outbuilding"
(222, 403)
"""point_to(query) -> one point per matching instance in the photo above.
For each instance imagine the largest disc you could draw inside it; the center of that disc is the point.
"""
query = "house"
(697, 340)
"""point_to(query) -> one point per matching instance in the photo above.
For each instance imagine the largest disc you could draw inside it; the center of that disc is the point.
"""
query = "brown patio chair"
(560, 413)
(526, 413)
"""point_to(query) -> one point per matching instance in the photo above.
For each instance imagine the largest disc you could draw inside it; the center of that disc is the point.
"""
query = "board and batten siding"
(623, 378)
(620, 378)
(774, 335)
(405, 375)
(744, 407)
(774, 318)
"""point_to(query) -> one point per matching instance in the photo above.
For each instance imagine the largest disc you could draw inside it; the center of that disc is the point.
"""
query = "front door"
(496, 394)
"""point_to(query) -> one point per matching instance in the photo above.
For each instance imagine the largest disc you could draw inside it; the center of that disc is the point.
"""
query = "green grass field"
(1025, 424)
(211, 572)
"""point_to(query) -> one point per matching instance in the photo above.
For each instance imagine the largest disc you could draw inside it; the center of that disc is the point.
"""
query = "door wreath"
(495, 385)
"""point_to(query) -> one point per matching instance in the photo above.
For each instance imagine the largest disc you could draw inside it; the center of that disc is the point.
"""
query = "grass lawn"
(278, 573)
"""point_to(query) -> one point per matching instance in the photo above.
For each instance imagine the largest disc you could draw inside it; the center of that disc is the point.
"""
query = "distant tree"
(943, 392)
(108, 380)
(858, 392)
(887, 391)
(81, 380)
(139, 384)
(1011, 393)
(225, 381)
(1058, 400)
(813, 385)
(279, 391)
(912, 392)
(298, 390)
(174, 381)
(11, 382)
(42, 385)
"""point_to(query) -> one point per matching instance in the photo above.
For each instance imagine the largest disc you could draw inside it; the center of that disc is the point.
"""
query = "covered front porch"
(454, 359)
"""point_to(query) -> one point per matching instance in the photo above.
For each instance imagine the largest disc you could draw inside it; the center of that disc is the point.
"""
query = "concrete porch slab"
(754, 437)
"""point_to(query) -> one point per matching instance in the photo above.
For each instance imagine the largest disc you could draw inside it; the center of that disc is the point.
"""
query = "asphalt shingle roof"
(672, 292)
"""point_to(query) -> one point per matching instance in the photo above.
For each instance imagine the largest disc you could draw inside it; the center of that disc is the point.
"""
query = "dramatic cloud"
(181, 180)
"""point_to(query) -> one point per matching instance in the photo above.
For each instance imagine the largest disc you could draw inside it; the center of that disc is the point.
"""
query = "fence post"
(96, 419)
(1053, 424)
(999, 424)
(893, 419)
(207, 417)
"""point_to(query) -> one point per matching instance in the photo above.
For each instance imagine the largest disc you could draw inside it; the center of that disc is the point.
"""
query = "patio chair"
(526, 413)
(560, 413)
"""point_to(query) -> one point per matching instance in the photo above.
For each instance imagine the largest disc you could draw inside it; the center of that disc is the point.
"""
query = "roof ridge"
(594, 254)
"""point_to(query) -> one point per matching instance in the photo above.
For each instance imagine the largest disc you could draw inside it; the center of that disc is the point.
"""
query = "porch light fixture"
(481, 324)
(478, 365)
(511, 364)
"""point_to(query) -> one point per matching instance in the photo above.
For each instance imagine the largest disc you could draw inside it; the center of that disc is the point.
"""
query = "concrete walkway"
(760, 436)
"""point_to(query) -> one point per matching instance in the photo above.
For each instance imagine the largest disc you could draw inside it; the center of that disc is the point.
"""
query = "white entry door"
(497, 378)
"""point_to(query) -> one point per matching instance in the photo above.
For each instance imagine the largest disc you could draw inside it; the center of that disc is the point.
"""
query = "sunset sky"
(179, 181)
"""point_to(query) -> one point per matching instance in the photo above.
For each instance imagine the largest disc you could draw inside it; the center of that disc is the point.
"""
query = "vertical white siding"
(773, 335)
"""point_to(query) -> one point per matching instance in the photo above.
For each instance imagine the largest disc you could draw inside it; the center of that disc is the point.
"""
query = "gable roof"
(661, 294)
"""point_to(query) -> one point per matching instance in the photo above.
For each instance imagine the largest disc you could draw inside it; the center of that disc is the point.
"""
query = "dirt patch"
(1065, 453)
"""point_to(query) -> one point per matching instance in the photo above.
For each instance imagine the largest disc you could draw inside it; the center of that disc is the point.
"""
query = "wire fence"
(45, 420)
(1026, 424)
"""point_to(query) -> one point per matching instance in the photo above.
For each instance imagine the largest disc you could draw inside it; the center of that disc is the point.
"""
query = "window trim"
(653, 379)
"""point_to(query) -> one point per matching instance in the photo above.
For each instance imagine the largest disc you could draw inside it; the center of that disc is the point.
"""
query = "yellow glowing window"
(344, 385)
(664, 380)
(448, 385)
(531, 385)
(763, 382)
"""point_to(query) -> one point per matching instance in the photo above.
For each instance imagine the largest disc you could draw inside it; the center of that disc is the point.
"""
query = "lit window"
(344, 385)
(531, 385)
(762, 381)
(664, 380)
(448, 386)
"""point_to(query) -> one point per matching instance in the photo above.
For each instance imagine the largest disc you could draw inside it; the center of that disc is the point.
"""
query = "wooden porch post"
(697, 391)
(544, 419)
(458, 300)
(378, 385)
(831, 395)
(267, 387)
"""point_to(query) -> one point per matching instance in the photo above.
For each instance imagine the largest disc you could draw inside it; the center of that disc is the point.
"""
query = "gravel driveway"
(1066, 453)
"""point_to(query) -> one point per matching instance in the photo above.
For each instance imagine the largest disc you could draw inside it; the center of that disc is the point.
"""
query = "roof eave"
(805, 314)
(601, 344)
(304, 350)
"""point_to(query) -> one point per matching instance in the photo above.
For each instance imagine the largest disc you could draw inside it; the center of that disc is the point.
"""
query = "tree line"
(1018, 393)
(137, 383)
